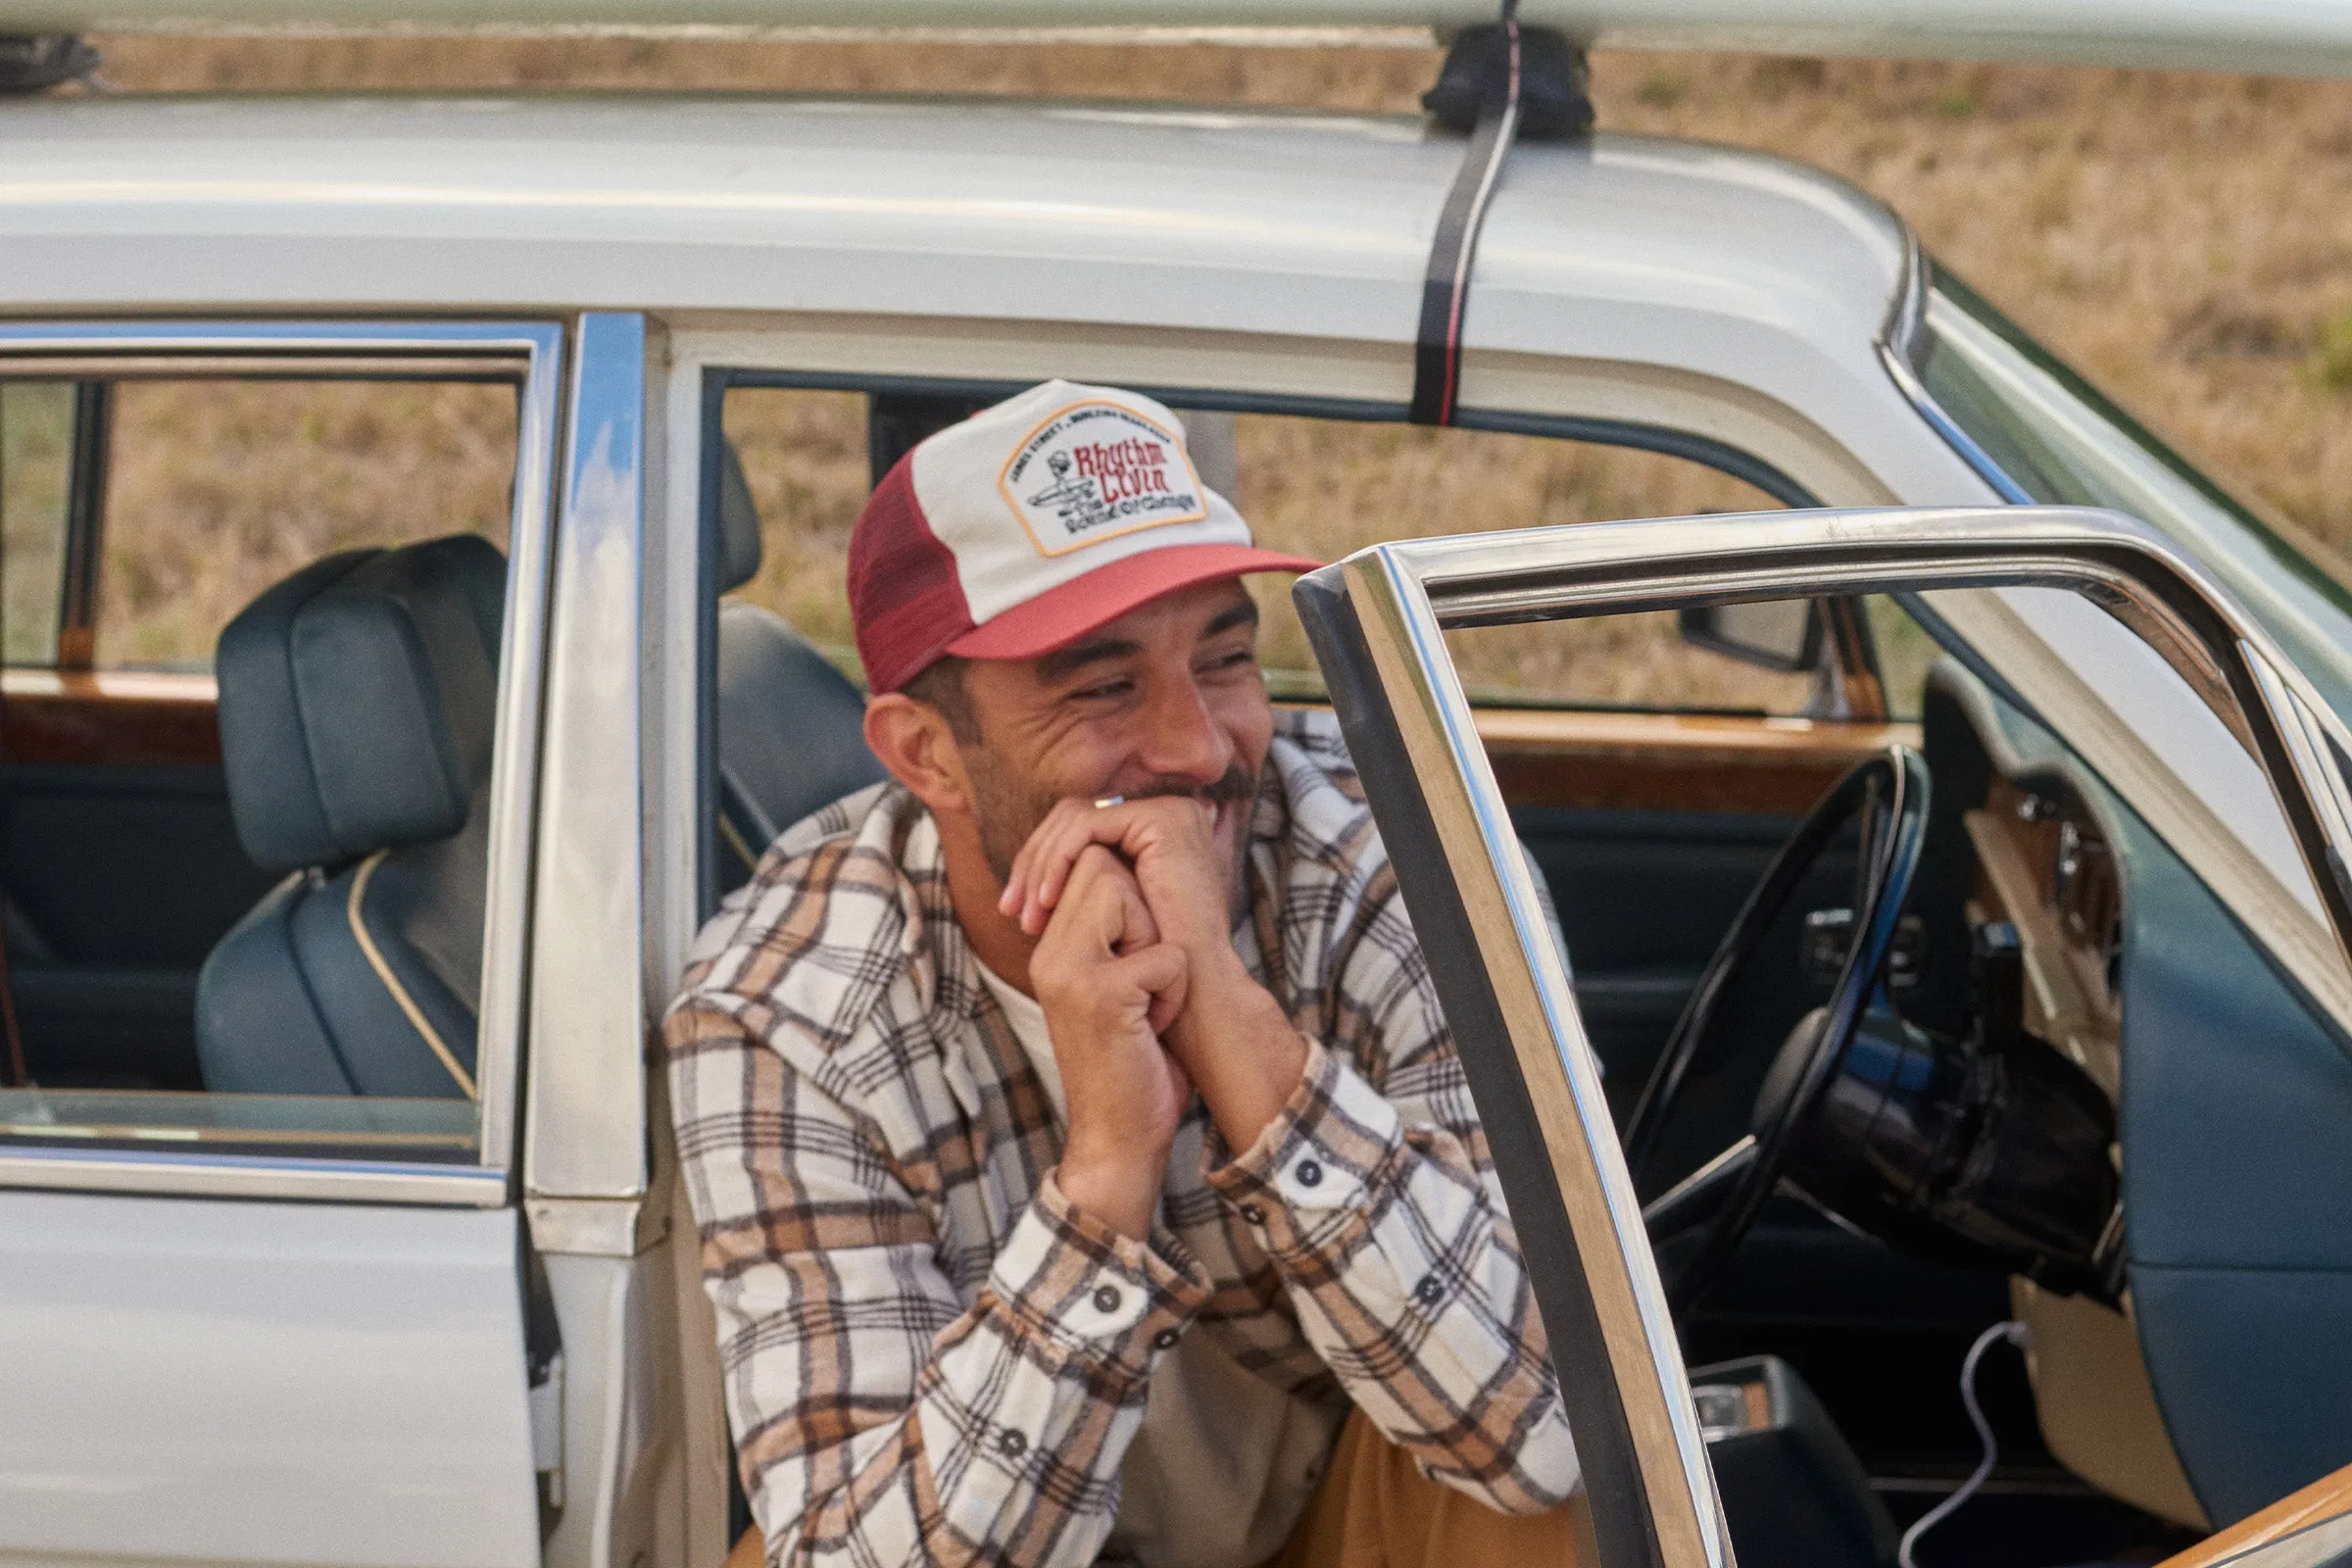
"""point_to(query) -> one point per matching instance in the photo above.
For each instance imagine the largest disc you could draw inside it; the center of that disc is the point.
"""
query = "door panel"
(313, 1384)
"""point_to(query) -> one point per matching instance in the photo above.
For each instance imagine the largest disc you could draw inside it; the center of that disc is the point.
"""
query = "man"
(1075, 1137)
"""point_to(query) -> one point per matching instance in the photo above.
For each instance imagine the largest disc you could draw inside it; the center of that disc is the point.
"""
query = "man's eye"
(1241, 658)
(1103, 692)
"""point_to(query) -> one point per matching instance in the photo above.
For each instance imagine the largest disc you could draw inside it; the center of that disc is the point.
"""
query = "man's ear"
(913, 740)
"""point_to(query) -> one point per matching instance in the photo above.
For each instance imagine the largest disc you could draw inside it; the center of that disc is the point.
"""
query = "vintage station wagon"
(420, 570)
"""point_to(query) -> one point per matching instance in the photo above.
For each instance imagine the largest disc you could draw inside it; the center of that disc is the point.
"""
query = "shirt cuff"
(1326, 1161)
(1072, 1282)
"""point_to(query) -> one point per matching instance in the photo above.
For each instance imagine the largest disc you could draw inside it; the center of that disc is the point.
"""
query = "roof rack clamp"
(1556, 84)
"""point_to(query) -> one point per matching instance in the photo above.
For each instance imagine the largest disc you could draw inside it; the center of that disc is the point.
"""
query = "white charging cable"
(2016, 1334)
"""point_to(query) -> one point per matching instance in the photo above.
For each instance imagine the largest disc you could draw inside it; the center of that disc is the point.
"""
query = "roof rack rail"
(35, 61)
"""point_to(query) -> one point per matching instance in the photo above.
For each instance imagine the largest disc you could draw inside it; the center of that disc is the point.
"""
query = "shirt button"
(1107, 1298)
(1011, 1445)
(1309, 1173)
(1253, 1214)
(1429, 1292)
(1164, 1340)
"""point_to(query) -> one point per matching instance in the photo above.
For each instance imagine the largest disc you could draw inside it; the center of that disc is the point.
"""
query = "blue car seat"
(357, 704)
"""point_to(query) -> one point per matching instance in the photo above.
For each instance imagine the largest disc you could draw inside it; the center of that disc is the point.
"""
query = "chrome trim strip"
(1907, 313)
(585, 1111)
(1914, 392)
(469, 348)
(1402, 628)
(258, 1176)
(344, 335)
(515, 764)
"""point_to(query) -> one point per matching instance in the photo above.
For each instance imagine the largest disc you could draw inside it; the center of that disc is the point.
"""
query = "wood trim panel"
(109, 718)
(2322, 1500)
(1675, 761)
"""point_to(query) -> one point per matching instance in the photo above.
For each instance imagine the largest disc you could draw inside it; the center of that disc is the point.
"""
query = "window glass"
(157, 885)
(37, 456)
(1328, 487)
(1905, 653)
(216, 489)
(1322, 488)
(805, 456)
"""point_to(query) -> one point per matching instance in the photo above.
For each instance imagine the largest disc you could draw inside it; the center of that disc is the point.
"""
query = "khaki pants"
(1375, 1511)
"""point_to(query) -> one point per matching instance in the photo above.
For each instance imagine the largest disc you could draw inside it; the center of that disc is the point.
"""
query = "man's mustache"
(1237, 784)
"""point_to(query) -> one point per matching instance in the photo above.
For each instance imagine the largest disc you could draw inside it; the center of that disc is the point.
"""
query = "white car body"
(334, 1373)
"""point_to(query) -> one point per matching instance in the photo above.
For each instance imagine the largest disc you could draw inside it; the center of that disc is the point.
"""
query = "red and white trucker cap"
(1032, 523)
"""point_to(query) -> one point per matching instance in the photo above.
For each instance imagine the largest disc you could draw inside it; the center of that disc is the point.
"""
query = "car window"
(37, 452)
(216, 489)
(1322, 488)
(1905, 653)
(265, 936)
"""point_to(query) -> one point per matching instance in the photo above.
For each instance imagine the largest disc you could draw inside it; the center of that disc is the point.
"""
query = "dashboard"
(2046, 868)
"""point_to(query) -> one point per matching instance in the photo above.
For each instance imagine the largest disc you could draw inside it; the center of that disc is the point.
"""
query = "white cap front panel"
(1052, 484)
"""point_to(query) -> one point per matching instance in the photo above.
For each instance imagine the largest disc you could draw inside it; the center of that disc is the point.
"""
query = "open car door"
(1379, 621)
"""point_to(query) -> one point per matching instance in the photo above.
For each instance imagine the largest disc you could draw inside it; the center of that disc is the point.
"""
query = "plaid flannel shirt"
(930, 1356)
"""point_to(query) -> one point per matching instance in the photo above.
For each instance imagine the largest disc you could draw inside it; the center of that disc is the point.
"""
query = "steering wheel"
(1696, 1225)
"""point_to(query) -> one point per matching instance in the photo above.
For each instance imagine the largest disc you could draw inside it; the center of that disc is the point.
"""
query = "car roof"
(1305, 226)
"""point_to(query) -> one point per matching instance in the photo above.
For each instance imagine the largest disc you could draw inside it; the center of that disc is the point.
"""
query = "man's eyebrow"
(1243, 613)
(1064, 662)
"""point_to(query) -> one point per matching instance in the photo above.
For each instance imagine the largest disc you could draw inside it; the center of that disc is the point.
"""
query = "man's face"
(1166, 700)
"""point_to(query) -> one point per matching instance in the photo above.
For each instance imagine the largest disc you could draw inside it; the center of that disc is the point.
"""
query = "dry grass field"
(2184, 240)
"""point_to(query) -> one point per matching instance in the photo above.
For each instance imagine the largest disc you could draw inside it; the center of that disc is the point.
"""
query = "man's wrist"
(1116, 1187)
(1241, 1049)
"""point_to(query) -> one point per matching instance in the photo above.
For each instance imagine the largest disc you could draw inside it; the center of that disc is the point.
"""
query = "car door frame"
(1377, 619)
(256, 1269)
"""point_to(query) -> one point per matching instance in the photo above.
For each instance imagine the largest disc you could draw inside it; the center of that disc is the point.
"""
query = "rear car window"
(265, 936)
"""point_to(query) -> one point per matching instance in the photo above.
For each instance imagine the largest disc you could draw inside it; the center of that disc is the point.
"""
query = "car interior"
(281, 895)
(261, 880)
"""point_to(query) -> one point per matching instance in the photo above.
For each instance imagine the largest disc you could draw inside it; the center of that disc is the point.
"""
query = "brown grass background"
(2185, 240)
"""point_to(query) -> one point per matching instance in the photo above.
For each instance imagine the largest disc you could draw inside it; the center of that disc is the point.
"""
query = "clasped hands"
(1143, 993)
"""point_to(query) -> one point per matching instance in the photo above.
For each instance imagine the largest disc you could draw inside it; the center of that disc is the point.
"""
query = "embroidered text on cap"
(1096, 471)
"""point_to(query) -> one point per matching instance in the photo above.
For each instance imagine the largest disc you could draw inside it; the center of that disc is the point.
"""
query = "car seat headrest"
(739, 542)
(358, 699)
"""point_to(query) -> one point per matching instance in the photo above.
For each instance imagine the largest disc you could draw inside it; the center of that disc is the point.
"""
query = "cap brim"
(1059, 616)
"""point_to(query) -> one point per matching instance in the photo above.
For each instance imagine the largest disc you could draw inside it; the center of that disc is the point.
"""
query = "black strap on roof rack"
(1501, 81)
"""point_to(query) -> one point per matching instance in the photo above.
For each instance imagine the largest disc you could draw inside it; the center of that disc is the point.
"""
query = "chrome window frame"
(595, 975)
(530, 354)
(1378, 620)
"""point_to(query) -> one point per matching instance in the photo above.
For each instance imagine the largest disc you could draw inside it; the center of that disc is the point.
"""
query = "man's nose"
(1182, 738)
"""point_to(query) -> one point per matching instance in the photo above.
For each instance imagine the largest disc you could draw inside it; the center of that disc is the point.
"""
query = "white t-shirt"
(1226, 1462)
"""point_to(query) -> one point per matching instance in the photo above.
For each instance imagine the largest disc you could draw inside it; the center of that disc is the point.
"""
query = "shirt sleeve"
(878, 1418)
(1376, 1199)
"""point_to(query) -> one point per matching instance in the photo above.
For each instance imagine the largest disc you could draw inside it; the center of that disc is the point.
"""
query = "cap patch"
(1094, 470)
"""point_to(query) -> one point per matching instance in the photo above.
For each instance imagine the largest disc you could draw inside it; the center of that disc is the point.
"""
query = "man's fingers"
(1102, 898)
(1158, 971)
(1042, 871)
